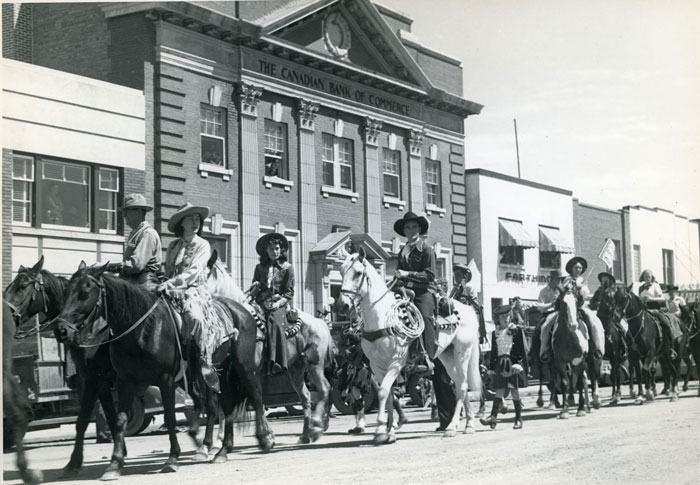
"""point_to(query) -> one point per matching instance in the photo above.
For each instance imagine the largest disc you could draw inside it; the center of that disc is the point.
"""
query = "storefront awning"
(551, 239)
(512, 233)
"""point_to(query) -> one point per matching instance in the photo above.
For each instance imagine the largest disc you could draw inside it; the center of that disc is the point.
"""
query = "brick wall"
(17, 31)
(454, 200)
(6, 216)
(130, 48)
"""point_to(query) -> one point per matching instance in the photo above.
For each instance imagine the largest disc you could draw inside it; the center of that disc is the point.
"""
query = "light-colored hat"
(184, 211)
(135, 201)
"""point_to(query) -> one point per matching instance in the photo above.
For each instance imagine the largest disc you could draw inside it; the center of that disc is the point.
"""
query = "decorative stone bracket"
(307, 113)
(415, 142)
(249, 96)
(373, 128)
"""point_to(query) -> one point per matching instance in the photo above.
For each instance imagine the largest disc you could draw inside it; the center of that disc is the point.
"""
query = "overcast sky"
(606, 93)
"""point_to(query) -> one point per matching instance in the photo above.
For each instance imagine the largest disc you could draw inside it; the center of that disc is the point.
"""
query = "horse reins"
(17, 310)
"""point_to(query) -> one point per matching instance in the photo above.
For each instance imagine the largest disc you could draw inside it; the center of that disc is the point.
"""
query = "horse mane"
(55, 287)
(134, 301)
(224, 284)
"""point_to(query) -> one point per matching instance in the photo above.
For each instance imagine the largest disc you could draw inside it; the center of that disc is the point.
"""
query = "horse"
(615, 347)
(309, 349)
(15, 406)
(35, 290)
(386, 346)
(145, 350)
(690, 314)
(645, 342)
(569, 348)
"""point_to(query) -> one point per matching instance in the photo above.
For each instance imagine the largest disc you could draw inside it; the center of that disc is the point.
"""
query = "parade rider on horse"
(464, 293)
(653, 298)
(607, 281)
(185, 265)
(415, 271)
(273, 291)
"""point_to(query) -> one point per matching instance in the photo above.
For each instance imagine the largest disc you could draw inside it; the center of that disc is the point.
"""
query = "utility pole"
(517, 150)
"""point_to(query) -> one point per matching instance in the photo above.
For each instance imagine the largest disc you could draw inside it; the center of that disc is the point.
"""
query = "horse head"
(25, 294)
(622, 300)
(568, 309)
(355, 283)
(220, 282)
(688, 316)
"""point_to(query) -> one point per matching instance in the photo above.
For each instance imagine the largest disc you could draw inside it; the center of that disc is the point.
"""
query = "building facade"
(309, 118)
(593, 225)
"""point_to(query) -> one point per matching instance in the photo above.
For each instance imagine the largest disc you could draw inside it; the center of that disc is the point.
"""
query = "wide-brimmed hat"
(573, 261)
(135, 201)
(408, 217)
(261, 245)
(556, 273)
(671, 288)
(184, 211)
(464, 269)
(502, 310)
(605, 274)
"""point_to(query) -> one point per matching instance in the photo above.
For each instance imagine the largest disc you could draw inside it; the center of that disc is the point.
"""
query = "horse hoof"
(564, 415)
(32, 477)
(504, 409)
(552, 405)
(391, 440)
(266, 443)
(110, 475)
(580, 413)
(685, 387)
(304, 440)
(481, 413)
(540, 402)
(674, 397)
(70, 472)
(170, 468)
(639, 401)
(450, 433)
(633, 395)
(220, 459)
(200, 456)
(596, 404)
(381, 438)
(613, 402)
(316, 434)
(650, 396)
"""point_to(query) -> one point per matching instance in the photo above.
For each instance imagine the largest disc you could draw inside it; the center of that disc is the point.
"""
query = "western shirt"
(185, 262)
(143, 251)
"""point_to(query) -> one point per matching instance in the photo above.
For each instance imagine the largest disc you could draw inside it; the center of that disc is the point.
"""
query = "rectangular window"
(108, 190)
(22, 188)
(65, 195)
(276, 163)
(392, 173)
(667, 255)
(433, 187)
(617, 261)
(338, 162)
(550, 260)
(220, 244)
(636, 261)
(512, 255)
(213, 135)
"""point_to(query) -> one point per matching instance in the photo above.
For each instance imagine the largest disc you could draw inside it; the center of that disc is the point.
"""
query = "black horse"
(645, 343)
(15, 406)
(690, 314)
(145, 350)
(615, 347)
(35, 290)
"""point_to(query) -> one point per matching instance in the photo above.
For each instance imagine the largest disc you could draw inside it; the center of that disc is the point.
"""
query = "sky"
(606, 94)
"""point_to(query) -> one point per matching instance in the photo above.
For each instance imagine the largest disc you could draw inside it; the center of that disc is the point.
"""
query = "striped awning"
(552, 240)
(512, 233)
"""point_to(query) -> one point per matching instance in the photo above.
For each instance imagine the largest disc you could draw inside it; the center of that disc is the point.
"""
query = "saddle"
(447, 316)
(292, 325)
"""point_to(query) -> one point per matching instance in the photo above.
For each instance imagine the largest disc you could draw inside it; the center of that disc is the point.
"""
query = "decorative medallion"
(336, 35)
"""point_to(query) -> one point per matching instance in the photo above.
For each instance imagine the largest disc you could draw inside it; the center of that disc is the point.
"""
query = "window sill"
(270, 181)
(326, 190)
(60, 227)
(64, 234)
(393, 201)
(430, 208)
(206, 168)
(512, 266)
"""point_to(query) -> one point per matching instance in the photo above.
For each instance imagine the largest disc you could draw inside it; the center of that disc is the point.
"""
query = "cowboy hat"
(502, 310)
(184, 211)
(573, 261)
(671, 288)
(408, 217)
(605, 274)
(464, 269)
(135, 201)
(261, 245)
(556, 273)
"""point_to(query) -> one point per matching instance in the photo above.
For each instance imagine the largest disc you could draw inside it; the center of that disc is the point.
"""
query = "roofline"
(393, 13)
(657, 209)
(516, 180)
(597, 207)
(438, 55)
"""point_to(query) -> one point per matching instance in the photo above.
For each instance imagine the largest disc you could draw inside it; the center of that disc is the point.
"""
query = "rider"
(508, 366)
(546, 304)
(416, 270)
(466, 294)
(674, 302)
(143, 251)
(607, 281)
(273, 290)
(185, 262)
(653, 298)
(576, 266)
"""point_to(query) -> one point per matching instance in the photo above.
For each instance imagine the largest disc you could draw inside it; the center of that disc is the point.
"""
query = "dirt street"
(654, 443)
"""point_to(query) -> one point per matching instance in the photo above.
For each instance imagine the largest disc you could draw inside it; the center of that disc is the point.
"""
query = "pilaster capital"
(372, 128)
(307, 110)
(249, 95)
(415, 142)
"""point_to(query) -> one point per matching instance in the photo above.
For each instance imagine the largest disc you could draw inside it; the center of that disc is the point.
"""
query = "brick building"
(310, 118)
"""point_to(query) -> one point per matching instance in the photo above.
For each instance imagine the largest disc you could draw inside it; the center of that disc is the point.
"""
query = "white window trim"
(430, 208)
(270, 181)
(206, 168)
(67, 231)
(338, 190)
(281, 155)
(393, 201)
(326, 190)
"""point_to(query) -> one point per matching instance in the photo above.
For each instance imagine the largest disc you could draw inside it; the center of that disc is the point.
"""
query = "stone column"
(415, 171)
(249, 96)
(308, 219)
(373, 196)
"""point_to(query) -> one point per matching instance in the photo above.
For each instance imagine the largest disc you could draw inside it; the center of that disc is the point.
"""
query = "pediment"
(336, 246)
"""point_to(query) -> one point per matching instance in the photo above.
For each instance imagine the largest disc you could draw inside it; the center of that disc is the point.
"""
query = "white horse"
(458, 346)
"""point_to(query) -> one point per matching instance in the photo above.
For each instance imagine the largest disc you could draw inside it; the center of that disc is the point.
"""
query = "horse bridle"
(641, 313)
(94, 313)
(38, 288)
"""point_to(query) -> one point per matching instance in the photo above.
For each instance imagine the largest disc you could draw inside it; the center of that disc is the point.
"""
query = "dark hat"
(573, 261)
(556, 273)
(671, 288)
(261, 245)
(605, 274)
(502, 310)
(184, 211)
(135, 201)
(410, 216)
(464, 269)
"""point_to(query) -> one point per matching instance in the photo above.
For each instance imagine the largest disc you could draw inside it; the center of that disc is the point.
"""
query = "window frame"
(515, 254)
(29, 183)
(636, 261)
(268, 151)
(555, 258)
(338, 162)
(617, 260)
(438, 185)
(668, 266)
(88, 181)
(207, 108)
(392, 157)
(116, 194)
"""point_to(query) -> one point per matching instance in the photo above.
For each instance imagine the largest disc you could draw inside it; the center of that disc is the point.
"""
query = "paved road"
(655, 443)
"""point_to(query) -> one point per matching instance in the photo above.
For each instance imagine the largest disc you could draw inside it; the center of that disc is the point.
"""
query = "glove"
(114, 267)
(517, 368)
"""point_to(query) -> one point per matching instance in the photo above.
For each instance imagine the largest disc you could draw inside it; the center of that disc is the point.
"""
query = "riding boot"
(668, 342)
(492, 420)
(518, 409)
(211, 377)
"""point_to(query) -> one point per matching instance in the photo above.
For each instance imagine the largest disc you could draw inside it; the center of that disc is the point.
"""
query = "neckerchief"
(417, 243)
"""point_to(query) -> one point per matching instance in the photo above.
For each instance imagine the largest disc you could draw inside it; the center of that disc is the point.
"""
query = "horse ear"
(101, 270)
(39, 265)
(212, 259)
(21, 269)
(362, 254)
(82, 265)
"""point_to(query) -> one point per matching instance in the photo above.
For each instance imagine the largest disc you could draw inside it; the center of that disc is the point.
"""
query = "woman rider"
(653, 298)
(576, 266)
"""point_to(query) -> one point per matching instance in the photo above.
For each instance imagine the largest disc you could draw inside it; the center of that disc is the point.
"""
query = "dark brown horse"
(645, 343)
(144, 351)
(36, 290)
(615, 347)
(690, 314)
(15, 406)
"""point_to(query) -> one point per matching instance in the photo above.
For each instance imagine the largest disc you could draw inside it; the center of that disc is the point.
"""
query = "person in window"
(653, 298)
(54, 205)
(415, 271)
(466, 294)
(273, 290)
(143, 251)
(508, 365)
(185, 264)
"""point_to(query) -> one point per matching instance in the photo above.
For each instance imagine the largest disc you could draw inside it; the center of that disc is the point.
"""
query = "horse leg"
(319, 416)
(15, 410)
(582, 388)
(88, 397)
(126, 392)
(689, 367)
(564, 388)
(458, 375)
(226, 401)
(167, 391)
(296, 376)
(195, 417)
(381, 435)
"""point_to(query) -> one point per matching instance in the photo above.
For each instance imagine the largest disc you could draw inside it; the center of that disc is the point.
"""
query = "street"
(653, 443)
